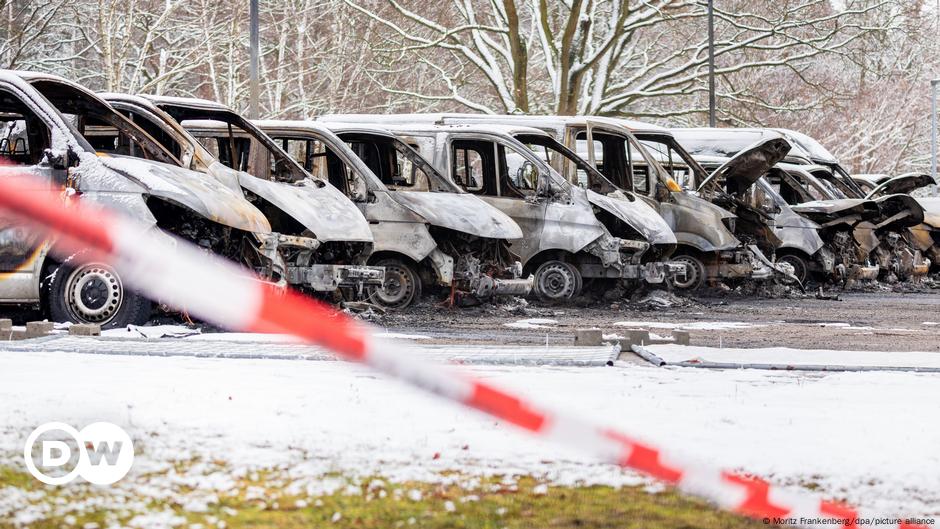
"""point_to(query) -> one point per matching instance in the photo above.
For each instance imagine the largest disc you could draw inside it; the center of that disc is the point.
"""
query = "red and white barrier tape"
(181, 274)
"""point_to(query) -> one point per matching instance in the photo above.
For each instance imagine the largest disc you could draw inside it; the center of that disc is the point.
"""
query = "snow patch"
(785, 356)
(307, 418)
(154, 331)
(532, 323)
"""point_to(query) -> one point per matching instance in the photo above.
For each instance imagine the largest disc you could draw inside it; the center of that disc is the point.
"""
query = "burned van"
(44, 119)
(620, 166)
(323, 238)
(569, 233)
(882, 239)
(906, 229)
(429, 234)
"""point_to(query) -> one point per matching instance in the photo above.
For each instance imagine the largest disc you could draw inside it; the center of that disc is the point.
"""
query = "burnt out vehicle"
(845, 255)
(898, 237)
(323, 239)
(569, 233)
(886, 240)
(612, 162)
(763, 220)
(907, 229)
(44, 119)
(848, 225)
(925, 236)
(429, 234)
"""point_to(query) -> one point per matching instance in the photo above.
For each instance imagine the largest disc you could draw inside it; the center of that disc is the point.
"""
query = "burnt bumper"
(327, 278)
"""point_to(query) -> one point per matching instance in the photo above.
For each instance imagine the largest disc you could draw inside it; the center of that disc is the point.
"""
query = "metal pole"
(933, 128)
(711, 64)
(253, 64)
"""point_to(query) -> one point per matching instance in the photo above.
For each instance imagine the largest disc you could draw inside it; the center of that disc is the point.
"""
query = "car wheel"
(694, 273)
(94, 293)
(557, 281)
(402, 286)
(800, 267)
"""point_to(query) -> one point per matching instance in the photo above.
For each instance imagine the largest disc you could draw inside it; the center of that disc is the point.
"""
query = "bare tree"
(24, 29)
(854, 76)
(608, 56)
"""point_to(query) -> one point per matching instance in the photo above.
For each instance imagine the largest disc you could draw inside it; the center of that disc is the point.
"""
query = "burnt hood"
(459, 212)
(898, 211)
(744, 168)
(902, 184)
(826, 210)
(195, 191)
(637, 214)
(318, 206)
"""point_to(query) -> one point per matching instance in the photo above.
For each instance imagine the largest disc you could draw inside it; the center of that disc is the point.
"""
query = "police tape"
(185, 276)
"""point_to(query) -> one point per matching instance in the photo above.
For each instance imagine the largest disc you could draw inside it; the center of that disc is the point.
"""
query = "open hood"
(320, 207)
(827, 210)
(459, 212)
(192, 190)
(902, 184)
(744, 168)
(637, 214)
(898, 211)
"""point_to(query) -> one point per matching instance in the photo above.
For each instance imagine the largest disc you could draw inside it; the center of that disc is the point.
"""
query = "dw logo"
(56, 453)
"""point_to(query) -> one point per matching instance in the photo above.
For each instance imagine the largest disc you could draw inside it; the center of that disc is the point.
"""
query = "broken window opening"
(474, 168)
(86, 114)
(23, 137)
(285, 168)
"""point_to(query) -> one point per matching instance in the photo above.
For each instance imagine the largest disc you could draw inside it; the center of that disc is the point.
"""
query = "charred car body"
(569, 233)
(925, 236)
(762, 220)
(45, 119)
(428, 233)
(322, 237)
(619, 167)
(849, 227)
(892, 237)
(907, 230)
(845, 224)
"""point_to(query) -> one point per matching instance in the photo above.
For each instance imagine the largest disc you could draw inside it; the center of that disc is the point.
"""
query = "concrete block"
(35, 329)
(638, 337)
(680, 337)
(85, 329)
(588, 337)
(6, 325)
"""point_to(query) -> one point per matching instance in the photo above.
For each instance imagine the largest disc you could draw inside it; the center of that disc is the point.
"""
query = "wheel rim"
(693, 272)
(94, 293)
(557, 281)
(799, 268)
(398, 288)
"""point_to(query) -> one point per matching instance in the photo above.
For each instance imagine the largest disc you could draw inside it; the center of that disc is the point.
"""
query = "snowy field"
(869, 438)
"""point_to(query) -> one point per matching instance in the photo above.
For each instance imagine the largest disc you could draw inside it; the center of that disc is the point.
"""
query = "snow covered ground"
(786, 356)
(870, 438)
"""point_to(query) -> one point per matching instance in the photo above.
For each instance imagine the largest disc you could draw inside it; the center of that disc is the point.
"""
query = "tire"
(557, 282)
(402, 285)
(799, 264)
(94, 293)
(694, 273)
